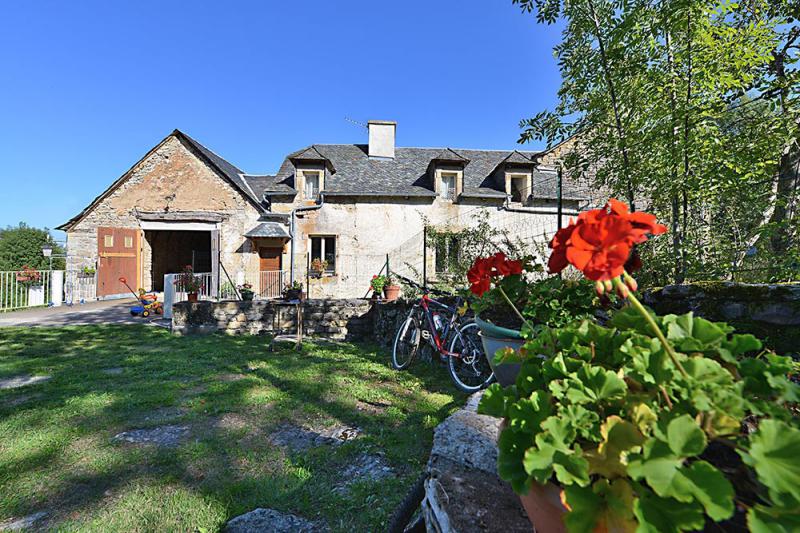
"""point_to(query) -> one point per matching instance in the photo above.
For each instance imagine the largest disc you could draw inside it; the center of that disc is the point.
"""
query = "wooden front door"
(118, 253)
(269, 259)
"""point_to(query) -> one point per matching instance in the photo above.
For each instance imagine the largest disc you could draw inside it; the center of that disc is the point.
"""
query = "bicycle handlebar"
(420, 287)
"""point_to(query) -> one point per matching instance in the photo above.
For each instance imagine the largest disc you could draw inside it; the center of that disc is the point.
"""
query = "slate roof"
(230, 171)
(269, 229)
(407, 174)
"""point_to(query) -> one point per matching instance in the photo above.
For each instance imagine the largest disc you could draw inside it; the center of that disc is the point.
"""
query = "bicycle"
(438, 324)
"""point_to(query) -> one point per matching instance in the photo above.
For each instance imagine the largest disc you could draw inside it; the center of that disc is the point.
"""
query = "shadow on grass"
(239, 470)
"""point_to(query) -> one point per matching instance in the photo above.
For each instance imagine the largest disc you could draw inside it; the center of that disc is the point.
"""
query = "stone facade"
(366, 229)
(171, 178)
(336, 319)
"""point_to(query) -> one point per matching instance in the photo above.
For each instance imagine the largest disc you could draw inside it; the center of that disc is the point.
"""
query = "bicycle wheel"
(470, 370)
(406, 344)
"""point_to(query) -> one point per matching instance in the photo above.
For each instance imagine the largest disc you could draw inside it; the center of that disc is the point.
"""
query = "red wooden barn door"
(118, 253)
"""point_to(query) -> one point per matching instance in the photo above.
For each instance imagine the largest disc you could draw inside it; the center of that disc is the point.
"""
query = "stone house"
(346, 204)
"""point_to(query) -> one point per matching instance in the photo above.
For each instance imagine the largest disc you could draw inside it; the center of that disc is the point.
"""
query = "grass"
(57, 453)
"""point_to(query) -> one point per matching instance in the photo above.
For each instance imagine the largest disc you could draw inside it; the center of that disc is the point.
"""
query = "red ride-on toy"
(149, 302)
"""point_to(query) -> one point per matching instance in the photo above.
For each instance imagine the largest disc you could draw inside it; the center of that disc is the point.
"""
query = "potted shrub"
(293, 291)
(391, 291)
(646, 423)
(29, 275)
(377, 283)
(189, 283)
(246, 291)
(318, 267)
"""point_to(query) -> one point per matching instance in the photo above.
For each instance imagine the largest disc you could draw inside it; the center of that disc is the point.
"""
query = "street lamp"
(47, 251)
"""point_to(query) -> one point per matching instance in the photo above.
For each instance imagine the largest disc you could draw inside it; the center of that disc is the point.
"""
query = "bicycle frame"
(426, 303)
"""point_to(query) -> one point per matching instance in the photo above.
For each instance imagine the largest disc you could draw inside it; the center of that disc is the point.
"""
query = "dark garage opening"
(173, 250)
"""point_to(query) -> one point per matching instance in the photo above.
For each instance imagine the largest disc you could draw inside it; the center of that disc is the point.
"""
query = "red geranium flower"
(599, 243)
(485, 268)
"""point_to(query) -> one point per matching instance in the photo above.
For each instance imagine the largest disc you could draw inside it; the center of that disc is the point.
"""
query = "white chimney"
(381, 139)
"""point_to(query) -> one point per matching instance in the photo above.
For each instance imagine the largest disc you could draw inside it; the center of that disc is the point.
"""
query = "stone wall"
(771, 312)
(336, 319)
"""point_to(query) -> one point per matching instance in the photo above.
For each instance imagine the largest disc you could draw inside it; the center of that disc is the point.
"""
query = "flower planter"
(391, 292)
(496, 338)
(247, 295)
(545, 508)
(191, 297)
(293, 294)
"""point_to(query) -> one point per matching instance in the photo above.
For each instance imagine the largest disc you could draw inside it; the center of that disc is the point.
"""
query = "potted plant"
(646, 423)
(293, 291)
(510, 309)
(391, 290)
(377, 283)
(318, 267)
(87, 272)
(189, 283)
(246, 290)
(29, 275)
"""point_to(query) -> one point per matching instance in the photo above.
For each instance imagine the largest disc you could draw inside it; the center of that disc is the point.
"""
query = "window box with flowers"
(645, 423)
(318, 268)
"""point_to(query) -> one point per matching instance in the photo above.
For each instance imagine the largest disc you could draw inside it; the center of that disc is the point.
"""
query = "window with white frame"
(323, 247)
(447, 185)
(519, 187)
(312, 183)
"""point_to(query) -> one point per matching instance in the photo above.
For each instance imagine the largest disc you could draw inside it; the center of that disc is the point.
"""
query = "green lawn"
(57, 453)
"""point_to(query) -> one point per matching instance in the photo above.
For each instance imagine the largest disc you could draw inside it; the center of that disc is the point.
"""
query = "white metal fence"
(271, 282)
(20, 289)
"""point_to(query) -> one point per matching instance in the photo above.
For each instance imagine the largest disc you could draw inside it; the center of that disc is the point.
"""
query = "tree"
(22, 245)
(662, 94)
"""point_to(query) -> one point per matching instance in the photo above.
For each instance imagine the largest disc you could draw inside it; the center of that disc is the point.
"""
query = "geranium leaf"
(761, 519)
(685, 437)
(711, 489)
(493, 402)
(666, 515)
(571, 468)
(585, 509)
(618, 436)
(510, 452)
(527, 414)
(592, 383)
(659, 467)
(774, 452)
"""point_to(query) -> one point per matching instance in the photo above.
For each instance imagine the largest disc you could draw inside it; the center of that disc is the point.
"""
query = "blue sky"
(87, 88)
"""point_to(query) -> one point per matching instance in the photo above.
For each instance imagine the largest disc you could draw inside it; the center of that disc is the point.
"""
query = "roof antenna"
(356, 123)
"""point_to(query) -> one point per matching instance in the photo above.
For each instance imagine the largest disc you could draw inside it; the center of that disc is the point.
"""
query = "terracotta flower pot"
(544, 507)
(192, 297)
(391, 292)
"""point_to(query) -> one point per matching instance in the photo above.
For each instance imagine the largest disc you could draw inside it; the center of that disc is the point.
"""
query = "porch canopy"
(268, 230)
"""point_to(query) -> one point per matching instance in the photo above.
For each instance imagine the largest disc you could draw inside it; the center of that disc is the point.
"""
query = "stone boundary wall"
(336, 319)
(771, 312)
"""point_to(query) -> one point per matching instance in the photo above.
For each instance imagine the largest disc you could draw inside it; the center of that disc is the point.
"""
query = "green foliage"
(628, 435)
(22, 245)
(691, 110)
(378, 282)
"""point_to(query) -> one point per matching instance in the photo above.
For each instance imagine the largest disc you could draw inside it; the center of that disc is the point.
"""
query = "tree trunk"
(614, 104)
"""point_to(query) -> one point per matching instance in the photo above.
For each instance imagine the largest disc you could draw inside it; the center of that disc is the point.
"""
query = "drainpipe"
(292, 225)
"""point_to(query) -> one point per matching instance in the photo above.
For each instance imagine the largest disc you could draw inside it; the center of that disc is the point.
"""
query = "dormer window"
(313, 182)
(447, 185)
(518, 187)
